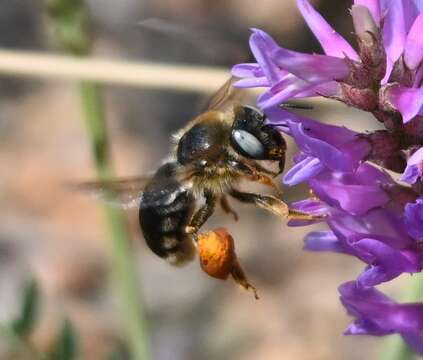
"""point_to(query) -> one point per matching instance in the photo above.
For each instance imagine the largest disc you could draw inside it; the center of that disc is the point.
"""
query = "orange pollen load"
(217, 253)
(216, 250)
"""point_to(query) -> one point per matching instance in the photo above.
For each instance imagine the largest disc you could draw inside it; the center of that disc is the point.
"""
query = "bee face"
(253, 139)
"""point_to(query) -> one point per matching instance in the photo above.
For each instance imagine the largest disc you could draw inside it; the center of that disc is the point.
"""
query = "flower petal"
(262, 45)
(323, 241)
(399, 18)
(287, 88)
(303, 171)
(414, 219)
(408, 101)
(315, 69)
(394, 32)
(388, 263)
(332, 43)
(350, 197)
(324, 150)
(376, 314)
(414, 169)
(252, 82)
(413, 52)
(310, 206)
(247, 70)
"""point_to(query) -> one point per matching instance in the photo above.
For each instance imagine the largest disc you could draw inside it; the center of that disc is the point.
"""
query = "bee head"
(253, 139)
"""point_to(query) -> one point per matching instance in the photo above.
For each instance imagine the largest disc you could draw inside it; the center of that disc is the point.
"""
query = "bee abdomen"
(163, 227)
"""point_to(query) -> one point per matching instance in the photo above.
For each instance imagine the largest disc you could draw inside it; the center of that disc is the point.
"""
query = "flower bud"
(372, 51)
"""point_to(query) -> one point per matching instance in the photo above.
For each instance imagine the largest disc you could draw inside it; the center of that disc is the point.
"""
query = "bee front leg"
(271, 204)
(202, 214)
(250, 172)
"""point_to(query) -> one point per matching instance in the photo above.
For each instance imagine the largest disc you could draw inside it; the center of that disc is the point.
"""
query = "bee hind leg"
(202, 214)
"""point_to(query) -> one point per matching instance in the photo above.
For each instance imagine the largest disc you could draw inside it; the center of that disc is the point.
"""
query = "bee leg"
(202, 214)
(250, 172)
(261, 169)
(227, 208)
(271, 204)
(281, 165)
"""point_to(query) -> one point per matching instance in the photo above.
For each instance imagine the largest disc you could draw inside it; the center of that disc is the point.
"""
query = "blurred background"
(60, 239)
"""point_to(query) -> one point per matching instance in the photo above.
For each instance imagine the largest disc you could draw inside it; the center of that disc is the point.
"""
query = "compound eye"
(248, 143)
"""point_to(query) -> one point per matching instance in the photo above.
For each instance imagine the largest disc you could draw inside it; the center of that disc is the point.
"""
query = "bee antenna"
(296, 106)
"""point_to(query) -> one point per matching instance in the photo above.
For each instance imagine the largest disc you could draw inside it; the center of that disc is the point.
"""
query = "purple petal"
(385, 224)
(303, 171)
(350, 197)
(280, 117)
(373, 6)
(252, 82)
(394, 30)
(325, 151)
(376, 314)
(414, 341)
(414, 169)
(346, 191)
(387, 263)
(323, 241)
(332, 43)
(413, 52)
(247, 70)
(315, 69)
(262, 45)
(284, 90)
(419, 5)
(310, 206)
(389, 68)
(413, 213)
(408, 101)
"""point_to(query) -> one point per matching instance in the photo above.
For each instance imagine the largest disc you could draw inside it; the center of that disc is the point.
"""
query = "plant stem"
(123, 258)
(395, 348)
(68, 21)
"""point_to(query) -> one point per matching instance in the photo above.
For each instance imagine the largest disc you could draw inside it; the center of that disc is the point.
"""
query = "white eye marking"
(248, 143)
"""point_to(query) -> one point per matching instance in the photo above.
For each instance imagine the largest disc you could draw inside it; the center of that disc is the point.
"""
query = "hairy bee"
(211, 155)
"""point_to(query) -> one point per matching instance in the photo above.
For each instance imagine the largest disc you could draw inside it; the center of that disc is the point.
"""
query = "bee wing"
(212, 42)
(224, 98)
(123, 193)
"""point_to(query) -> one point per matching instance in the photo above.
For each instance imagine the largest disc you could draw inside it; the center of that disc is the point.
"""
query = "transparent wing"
(214, 42)
(124, 193)
(225, 97)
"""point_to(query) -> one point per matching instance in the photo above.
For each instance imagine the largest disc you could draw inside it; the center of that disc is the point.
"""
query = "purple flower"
(379, 239)
(322, 146)
(389, 54)
(369, 215)
(266, 73)
(376, 314)
(414, 219)
(414, 169)
(346, 191)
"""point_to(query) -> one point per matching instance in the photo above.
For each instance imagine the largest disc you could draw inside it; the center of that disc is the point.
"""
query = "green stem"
(395, 348)
(68, 21)
(123, 257)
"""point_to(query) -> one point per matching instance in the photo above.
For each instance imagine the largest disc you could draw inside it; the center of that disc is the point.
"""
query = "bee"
(211, 155)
